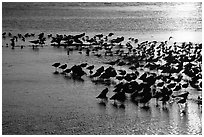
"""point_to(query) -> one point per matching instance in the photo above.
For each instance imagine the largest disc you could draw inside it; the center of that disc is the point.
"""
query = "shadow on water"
(102, 105)
(68, 77)
(35, 49)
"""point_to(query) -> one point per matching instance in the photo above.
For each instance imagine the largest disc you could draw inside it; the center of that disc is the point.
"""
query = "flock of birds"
(156, 70)
(59, 39)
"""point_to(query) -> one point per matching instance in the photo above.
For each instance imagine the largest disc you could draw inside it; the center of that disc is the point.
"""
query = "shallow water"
(36, 101)
(145, 21)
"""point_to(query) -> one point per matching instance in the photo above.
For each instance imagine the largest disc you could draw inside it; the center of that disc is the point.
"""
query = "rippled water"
(35, 101)
(138, 19)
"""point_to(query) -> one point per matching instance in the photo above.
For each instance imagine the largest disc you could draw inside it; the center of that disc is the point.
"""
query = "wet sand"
(36, 101)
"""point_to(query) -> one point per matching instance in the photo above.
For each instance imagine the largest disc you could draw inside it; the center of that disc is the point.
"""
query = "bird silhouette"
(178, 87)
(67, 71)
(90, 68)
(57, 64)
(171, 85)
(122, 72)
(83, 65)
(183, 95)
(102, 95)
(161, 84)
(182, 101)
(157, 95)
(35, 42)
(119, 96)
(185, 85)
(62, 67)
(199, 100)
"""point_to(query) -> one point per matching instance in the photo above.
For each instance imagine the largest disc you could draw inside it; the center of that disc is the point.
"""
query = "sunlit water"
(36, 101)
(146, 21)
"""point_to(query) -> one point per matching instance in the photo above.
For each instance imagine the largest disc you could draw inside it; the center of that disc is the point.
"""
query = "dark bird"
(110, 34)
(184, 95)
(161, 84)
(63, 66)
(90, 68)
(171, 85)
(35, 42)
(157, 95)
(121, 63)
(146, 98)
(56, 65)
(77, 72)
(102, 95)
(143, 77)
(132, 68)
(199, 100)
(122, 72)
(83, 65)
(185, 85)
(119, 96)
(66, 71)
(164, 99)
(119, 78)
(100, 70)
(170, 37)
(182, 101)
(178, 87)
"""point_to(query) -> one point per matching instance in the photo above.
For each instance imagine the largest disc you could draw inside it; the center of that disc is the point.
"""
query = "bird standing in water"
(90, 68)
(103, 96)
(56, 65)
(63, 67)
(182, 101)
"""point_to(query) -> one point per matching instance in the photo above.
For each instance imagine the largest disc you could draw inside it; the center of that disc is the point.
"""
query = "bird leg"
(157, 100)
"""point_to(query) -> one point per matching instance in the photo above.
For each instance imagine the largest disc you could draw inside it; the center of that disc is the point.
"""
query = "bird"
(178, 87)
(102, 95)
(157, 95)
(122, 72)
(64, 66)
(183, 95)
(90, 68)
(171, 85)
(170, 37)
(164, 99)
(110, 34)
(160, 84)
(182, 101)
(119, 78)
(185, 85)
(119, 96)
(57, 64)
(35, 41)
(66, 71)
(83, 65)
(199, 100)
(145, 99)
(143, 76)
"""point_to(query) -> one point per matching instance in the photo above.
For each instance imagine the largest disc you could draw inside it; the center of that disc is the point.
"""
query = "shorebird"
(102, 95)
(57, 64)
(90, 68)
(62, 67)
(83, 65)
